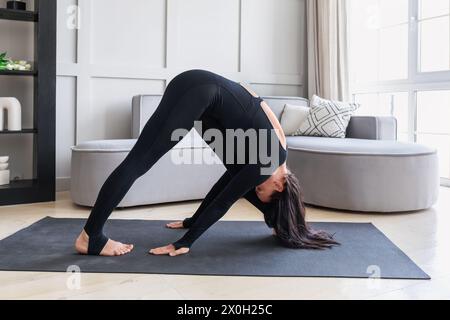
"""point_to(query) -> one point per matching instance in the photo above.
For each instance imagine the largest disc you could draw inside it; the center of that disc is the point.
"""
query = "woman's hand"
(175, 225)
(169, 250)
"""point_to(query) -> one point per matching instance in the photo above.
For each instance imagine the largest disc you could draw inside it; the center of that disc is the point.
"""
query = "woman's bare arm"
(275, 123)
(272, 117)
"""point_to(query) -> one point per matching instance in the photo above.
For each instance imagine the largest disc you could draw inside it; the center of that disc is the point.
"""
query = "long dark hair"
(290, 219)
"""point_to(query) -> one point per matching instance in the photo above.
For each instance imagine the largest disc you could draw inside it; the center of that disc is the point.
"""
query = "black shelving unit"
(18, 73)
(18, 15)
(23, 131)
(42, 187)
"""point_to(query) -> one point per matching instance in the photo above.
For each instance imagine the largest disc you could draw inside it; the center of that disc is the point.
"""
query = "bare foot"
(175, 225)
(111, 249)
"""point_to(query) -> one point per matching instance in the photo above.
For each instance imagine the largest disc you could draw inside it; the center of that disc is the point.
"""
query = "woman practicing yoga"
(256, 170)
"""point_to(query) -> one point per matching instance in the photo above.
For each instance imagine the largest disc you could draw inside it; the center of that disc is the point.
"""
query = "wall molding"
(86, 73)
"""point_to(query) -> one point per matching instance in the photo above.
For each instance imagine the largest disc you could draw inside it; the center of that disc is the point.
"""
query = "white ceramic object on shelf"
(4, 172)
(13, 109)
(4, 177)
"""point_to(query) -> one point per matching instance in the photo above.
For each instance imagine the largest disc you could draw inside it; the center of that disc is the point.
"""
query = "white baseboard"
(62, 184)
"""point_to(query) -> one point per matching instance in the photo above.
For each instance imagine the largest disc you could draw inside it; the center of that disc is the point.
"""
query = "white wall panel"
(65, 125)
(109, 115)
(67, 31)
(136, 46)
(273, 36)
(278, 90)
(206, 34)
(128, 32)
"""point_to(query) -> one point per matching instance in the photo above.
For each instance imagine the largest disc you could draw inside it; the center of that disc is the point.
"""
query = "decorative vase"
(4, 159)
(16, 5)
(13, 110)
(4, 172)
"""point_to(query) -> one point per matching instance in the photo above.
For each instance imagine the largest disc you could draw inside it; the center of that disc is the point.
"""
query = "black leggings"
(194, 95)
(180, 107)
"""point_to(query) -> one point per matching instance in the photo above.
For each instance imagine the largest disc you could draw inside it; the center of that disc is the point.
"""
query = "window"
(434, 35)
(399, 53)
(380, 34)
(433, 124)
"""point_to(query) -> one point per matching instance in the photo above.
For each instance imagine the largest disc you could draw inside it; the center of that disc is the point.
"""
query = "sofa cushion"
(124, 145)
(277, 104)
(293, 117)
(357, 146)
(169, 180)
(327, 118)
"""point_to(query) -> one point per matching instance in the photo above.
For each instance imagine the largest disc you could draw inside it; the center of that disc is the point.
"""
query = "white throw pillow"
(327, 118)
(292, 118)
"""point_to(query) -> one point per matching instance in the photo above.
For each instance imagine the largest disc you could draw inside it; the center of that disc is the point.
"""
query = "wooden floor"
(424, 236)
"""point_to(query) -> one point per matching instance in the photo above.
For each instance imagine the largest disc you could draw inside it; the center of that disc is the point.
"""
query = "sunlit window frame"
(416, 81)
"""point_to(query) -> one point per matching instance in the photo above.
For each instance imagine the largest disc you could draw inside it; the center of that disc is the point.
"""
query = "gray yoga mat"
(228, 248)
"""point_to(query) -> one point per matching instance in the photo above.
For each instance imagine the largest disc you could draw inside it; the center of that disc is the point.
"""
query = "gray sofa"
(369, 171)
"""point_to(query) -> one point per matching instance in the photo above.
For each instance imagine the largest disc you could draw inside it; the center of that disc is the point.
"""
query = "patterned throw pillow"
(327, 118)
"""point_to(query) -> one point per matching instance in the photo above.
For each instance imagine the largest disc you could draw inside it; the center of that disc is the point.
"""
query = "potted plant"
(3, 61)
(8, 64)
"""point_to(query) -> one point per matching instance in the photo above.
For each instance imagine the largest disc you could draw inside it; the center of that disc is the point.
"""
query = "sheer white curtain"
(328, 74)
